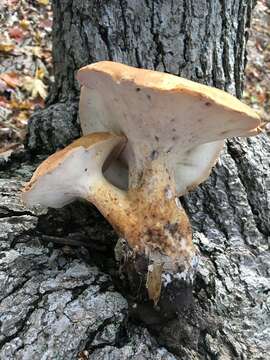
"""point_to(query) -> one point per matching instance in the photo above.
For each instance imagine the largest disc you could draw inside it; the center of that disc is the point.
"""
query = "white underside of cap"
(196, 166)
(191, 167)
(189, 129)
(117, 174)
(69, 181)
(190, 170)
(76, 176)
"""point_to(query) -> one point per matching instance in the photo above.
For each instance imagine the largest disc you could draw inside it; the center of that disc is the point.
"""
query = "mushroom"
(175, 130)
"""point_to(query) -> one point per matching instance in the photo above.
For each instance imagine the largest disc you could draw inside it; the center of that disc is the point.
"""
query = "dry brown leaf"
(11, 79)
(35, 87)
(6, 48)
(21, 105)
(38, 102)
(16, 33)
(22, 118)
(3, 102)
(43, 2)
(45, 24)
(261, 97)
(37, 51)
(24, 24)
(47, 56)
(40, 73)
(37, 37)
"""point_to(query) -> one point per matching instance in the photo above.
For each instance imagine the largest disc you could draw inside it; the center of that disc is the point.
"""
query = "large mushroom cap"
(73, 171)
(162, 114)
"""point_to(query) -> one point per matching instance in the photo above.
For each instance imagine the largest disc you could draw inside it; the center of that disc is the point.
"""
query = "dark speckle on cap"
(224, 132)
(154, 155)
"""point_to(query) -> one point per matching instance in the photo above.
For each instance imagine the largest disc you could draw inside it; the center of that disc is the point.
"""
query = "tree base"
(53, 128)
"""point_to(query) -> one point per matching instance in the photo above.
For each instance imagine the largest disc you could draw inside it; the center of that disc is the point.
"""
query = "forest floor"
(26, 70)
(25, 66)
(257, 83)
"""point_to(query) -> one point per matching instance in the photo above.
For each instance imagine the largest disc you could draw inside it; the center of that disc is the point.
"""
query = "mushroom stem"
(149, 216)
(112, 202)
(162, 228)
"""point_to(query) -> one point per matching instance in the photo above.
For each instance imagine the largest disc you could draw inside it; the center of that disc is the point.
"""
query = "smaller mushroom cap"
(73, 171)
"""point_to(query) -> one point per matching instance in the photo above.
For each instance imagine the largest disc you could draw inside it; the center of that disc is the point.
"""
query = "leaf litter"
(257, 83)
(25, 66)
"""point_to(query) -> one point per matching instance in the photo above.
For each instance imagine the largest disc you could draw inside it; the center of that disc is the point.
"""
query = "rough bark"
(58, 298)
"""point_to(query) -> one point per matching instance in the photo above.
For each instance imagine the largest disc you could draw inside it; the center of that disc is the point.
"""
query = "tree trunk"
(57, 296)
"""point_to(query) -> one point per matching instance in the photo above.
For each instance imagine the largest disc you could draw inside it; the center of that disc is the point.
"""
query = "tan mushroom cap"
(162, 114)
(70, 172)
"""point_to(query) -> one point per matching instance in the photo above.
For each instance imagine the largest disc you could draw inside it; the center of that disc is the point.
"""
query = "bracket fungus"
(165, 133)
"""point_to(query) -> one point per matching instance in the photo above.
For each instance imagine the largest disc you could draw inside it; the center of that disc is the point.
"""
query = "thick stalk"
(112, 202)
(149, 217)
(162, 230)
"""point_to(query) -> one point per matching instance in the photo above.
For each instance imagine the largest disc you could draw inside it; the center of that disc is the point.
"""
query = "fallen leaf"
(12, 2)
(6, 48)
(23, 117)
(43, 2)
(3, 86)
(3, 102)
(47, 56)
(21, 105)
(38, 103)
(11, 79)
(46, 24)
(16, 33)
(24, 24)
(261, 97)
(35, 87)
(37, 51)
(38, 38)
(21, 120)
(40, 73)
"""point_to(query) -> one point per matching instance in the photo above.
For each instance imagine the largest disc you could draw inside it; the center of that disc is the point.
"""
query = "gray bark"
(58, 299)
